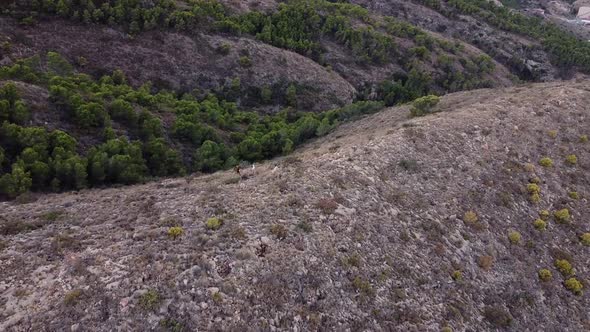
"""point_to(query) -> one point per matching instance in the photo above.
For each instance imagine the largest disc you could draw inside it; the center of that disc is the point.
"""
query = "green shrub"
(573, 195)
(245, 61)
(535, 198)
(224, 49)
(585, 239)
(150, 300)
(571, 159)
(540, 224)
(552, 133)
(213, 223)
(546, 162)
(424, 105)
(175, 232)
(583, 138)
(574, 286)
(545, 275)
(562, 216)
(564, 267)
(171, 325)
(544, 215)
(52, 215)
(514, 237)
(457, 275)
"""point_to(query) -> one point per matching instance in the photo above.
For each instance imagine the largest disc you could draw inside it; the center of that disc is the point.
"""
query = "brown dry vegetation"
(379, 248)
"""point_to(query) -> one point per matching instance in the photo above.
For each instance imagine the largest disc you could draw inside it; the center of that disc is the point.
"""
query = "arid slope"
(361, 230)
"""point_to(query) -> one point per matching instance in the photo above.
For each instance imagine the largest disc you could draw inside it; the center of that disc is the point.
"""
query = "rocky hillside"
(472, 218)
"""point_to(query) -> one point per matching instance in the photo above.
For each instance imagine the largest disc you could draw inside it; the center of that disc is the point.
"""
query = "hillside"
(387, 223)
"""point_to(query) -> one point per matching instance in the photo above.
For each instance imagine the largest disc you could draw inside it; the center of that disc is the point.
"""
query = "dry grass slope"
(362, 230)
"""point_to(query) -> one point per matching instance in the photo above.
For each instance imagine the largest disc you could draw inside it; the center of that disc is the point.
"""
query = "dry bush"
(327, 205)
(485, 262)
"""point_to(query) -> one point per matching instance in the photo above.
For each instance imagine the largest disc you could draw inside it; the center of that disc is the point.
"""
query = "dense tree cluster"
(565, 48)
(131, 142)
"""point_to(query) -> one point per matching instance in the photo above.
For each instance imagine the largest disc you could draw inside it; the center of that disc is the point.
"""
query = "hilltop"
(387, 223)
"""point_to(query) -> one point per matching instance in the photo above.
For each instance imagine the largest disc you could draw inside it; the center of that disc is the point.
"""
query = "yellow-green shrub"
(585, 239)
(574, 286)
(540, 224)
(583, 138)
(535, 198)
(545, 275)
(564, 267)
(533, 188)
(552, 133)
(562, 216)
(514, 237)
(544, 214)
(546, 162)
(213, 223)
(457, 275)
(571, 159)
(573, 195)
(175, 232)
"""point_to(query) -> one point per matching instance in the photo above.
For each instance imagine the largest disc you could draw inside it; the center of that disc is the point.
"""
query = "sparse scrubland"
(307, 165)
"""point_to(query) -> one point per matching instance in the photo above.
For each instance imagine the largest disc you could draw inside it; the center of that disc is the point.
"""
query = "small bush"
(545, 275)
(216, 297)
(171, 325)
(362, 286)
(149, 300)
(497, 316)
(573, 195)
(424, 105)
(552, 133)
(52, 215)
(533, 188)
(409, 165)
(213, 223)
(457, 275)
(352, 260)
(564, 267)
(528, 167)
(544, 215)
(327, 205)
(279, 231)
(535, 180)
(514, 237)
(583, 138)
(562, 216)
(485, 262)
(175, 232)
(535, 198)
(571, 159)
(546, 162)
(470, 217)
(574, 286)
(224, 49)
(540, 224)
(305, 226)
(585, 239)
(72, 297)
(245, 62)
